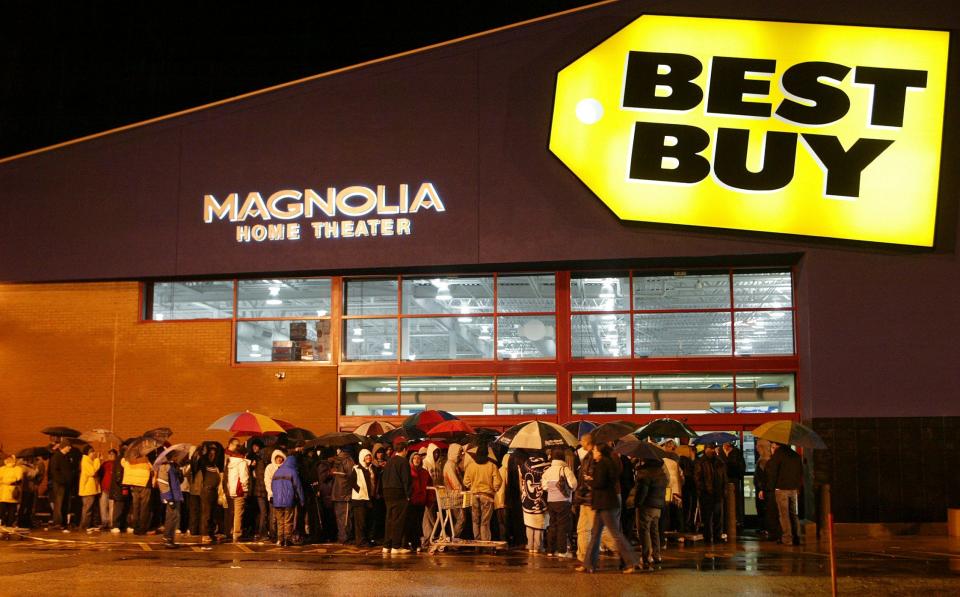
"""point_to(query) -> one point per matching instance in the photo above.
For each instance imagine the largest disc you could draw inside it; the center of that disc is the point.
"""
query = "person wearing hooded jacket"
(453, 480)
(89, 490)
(287, 494)
(432, 463)
(276, 459)
(558, 502)
(236, 487)
(343, 465)
(362, 488)
(483, 479)
(11, 483)
(169, 479)
(652, 481)
(397, 488)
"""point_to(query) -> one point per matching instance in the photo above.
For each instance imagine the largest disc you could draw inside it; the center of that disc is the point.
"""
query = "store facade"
(521, 225)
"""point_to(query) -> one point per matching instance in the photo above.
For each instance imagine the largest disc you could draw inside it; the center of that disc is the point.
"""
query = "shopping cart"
(442, 534)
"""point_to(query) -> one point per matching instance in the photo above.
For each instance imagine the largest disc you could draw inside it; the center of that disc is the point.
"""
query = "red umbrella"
(450, 429)
(426, 419)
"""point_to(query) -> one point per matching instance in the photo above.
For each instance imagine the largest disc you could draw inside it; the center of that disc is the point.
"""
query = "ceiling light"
(255, 355)
(386, 346)
(274, 291)
(357, 331)
(358, 340)
(255, 347)
(274, 302)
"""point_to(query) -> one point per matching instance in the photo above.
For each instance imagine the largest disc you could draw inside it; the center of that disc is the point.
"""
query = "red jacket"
(420, 479)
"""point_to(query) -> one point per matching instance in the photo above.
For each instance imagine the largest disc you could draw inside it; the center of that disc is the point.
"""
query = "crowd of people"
(562, 502)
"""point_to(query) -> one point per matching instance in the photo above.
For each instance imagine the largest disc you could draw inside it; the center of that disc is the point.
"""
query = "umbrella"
(450, 429)
(299, 434)
(248, 423)
(426, 419)
(488, 431)
(337, 439)
(175, 454)
(374, 428)
(665, 428)
(537, 435)
(612, 431)
(578, 428)
(791, 433)
(76, 442)
(636, 448)
(100, 436)
(717, 437)
(60, 431)
(34, 452)
(410, 434)
(141, 447)
(160, 433)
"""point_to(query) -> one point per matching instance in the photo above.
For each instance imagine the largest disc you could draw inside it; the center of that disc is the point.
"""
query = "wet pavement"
(79, 564)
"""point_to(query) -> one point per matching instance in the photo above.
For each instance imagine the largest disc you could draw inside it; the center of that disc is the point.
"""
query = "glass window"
(456, 395)
(600, 293)
(762, 290)
(766, 393)
(530, 293)
(283, 298)
(211, 299)
(448, 338)
(283, 340)
(370, 397)
(682, 334)
(526, 337)
(602, 394)
(696, 393)
(688, 291)
(601, 336)
(430, 296)
(370, 340)
(764, 332)
(371, 297)
(526, 395)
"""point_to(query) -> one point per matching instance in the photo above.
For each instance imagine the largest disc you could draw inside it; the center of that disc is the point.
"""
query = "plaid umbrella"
(791, 433)
(426, 419)
(537, 435)
(374, 428)
(248, 423)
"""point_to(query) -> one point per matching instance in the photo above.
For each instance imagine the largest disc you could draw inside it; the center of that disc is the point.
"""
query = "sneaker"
(66, 530)
(385, 550)
(179, 532)
(565, 555)
(115, 531)
(129, 531)
(401, 550)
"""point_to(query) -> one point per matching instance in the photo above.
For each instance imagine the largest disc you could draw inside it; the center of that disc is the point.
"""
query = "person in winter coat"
(432, 463)
(169, 478)
(533, 499)
(106, 484)
(208, 479)
(343, 465)
(711, 477)
(236, 487)
(559, 483)
(652, 481)
(397, 488)
(11, 483)
(276, 459)
(260, 459)
(671, 516)
(420, 498)
(287, 494)
(605, 502)
(138, 477)
(361, 483)
(64, 476)
(89, 490)
(483, 479)
(453, 480)
(732, 457)
(784, 479)
(583, 498)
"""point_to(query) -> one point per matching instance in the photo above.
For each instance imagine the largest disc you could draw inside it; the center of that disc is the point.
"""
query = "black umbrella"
(60, 431)
(142, 446)
(337, 439)
(160, 433)
(665, 428)
(299, 434)
(410, 434)
(636, 448)
(34, 452)
(612, 431)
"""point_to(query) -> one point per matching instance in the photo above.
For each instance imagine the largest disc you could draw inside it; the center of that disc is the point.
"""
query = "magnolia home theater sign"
(819, 130)
(332, 213)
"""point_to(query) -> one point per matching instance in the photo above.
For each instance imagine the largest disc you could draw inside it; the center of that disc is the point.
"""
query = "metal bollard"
(730, 510)
(823, 516)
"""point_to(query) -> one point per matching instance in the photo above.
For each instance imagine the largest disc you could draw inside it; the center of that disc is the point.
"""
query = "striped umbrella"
(537, 435)
(426, 419)
(248, 423)
(790, 433)
(374, 428)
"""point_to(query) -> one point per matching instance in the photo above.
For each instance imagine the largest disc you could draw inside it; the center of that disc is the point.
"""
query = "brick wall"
(77, 355)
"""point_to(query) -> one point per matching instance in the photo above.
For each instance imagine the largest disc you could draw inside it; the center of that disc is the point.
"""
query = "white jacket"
(270, 470)
(548, 482)
(237, 471)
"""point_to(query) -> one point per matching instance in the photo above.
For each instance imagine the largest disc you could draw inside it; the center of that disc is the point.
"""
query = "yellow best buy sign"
(818, 130)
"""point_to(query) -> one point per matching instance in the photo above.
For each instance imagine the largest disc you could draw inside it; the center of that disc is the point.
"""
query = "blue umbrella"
(578, 428)
(717, 437)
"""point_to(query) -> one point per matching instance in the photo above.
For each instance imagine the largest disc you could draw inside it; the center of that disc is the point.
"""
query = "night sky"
(69, 69)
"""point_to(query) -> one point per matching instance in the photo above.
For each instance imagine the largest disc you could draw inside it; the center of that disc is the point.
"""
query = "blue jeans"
(608, 519)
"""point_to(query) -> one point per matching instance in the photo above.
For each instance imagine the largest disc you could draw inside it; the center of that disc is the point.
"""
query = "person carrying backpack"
(559, 483)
